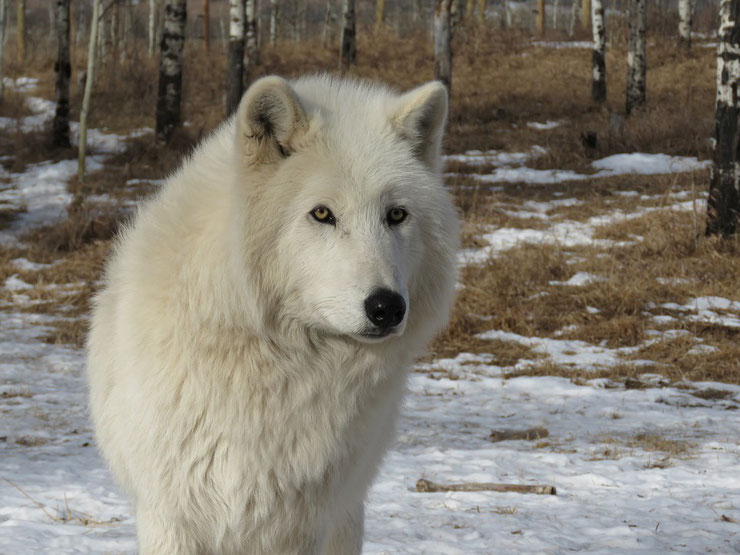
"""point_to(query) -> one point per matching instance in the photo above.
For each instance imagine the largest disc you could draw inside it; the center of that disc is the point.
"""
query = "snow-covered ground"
(637, 470)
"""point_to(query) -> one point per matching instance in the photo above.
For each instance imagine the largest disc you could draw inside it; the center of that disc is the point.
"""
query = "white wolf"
(249, 349)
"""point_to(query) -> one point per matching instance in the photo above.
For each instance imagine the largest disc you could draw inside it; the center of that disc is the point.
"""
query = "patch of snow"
(25, 265)
(563, 44)
(544, 126)
(14, 283)
(496, 157)
(647, 164)
(579, 279)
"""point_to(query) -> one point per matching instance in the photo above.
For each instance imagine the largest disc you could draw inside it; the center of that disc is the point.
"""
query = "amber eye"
(323, 214)
(396, 215)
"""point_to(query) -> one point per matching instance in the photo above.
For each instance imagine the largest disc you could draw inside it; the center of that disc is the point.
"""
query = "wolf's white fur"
(233, 393)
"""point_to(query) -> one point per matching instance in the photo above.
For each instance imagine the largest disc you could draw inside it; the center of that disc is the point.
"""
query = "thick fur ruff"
(237, 390)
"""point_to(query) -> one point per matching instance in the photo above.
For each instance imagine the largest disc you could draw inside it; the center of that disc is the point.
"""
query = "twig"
(426, 486)
(39, 505)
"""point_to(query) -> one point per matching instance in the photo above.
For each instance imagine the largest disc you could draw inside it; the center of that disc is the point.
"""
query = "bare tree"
(685, 15)
(20, 30)
(62, 71)
(636, 54)
(442, 43)
(169, 94)
(152, 20)
(379, 14)
(573, 16)
(206, 24)
(347, 45)
(252, 45)
(585, 14)
(541, 17)
(723, 205)
(235, 69)
(273, 21)
(598, 87)
(481, 11)
(91, 51)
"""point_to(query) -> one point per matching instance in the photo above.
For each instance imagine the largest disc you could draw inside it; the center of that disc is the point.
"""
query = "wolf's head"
(346, 224)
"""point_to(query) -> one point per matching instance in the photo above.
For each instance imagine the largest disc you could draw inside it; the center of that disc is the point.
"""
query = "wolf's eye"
(396, 215)
(323, 215)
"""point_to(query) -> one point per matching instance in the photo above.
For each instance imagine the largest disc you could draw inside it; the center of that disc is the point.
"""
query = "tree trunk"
(586, 14)
(723, 205)
(326, 32)
(598, 88)
(20, 30)
(541, 17)
(347, 48)
(252, 46)
(206, 24)
(481, 11)
(636, 54)
(3, 26)
(573, 17)
(237, 39)
(685, 15)
(115, 22)
(62, 71)
(469, 10)
(442, 43)
(555, 12)
(91, 51)
(152, 29)
(169, 95)
(379, 14)
(273, 21)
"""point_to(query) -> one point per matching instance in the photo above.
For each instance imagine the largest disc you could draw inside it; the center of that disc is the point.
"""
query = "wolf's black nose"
(385, 308)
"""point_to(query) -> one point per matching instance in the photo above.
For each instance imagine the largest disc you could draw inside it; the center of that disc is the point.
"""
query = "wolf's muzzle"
(385, 309)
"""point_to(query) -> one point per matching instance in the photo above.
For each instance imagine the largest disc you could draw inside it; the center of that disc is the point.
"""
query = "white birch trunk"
(235, 69)
(723, 204)
(598, 88)
(636, 55)
(347, 47)
(252, 46)
(152, 20)
(91, 51)
(326, 32)
(555, 11)
(685, 16)
(573, 17)
(442, 43)
(169, 94)
(273, 21)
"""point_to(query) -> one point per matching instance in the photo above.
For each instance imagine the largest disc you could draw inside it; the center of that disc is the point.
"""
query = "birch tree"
(573, 17)
(62, 71)
(685, 16)
(20, 30)
(252, 46)
(273, 21)
(235, 64)
(91, 51)
(541, 17)
(152, 20)
(379, 14)
(636, 54)
(723, 204)
(442, 43)
(169, 94)
(585, 14)
(481, 11)
(598, 87)
(347, 45)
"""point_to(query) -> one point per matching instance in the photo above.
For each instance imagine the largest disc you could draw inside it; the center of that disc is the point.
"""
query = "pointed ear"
(269, 119)
(420, 117)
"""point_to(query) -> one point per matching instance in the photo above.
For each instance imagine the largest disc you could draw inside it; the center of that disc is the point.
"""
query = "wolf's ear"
(420, 118)
(269, 119)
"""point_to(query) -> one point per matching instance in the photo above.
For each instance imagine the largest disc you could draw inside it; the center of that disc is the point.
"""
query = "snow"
(617, 491)
(544, 126)
(563, 44)
(496, 157)
(648, 164)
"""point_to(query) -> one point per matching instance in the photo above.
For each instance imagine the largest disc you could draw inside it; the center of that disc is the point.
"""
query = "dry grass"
(501, 82)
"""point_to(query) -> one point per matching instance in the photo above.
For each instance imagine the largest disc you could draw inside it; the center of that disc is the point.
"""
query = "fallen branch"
(426, 486)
